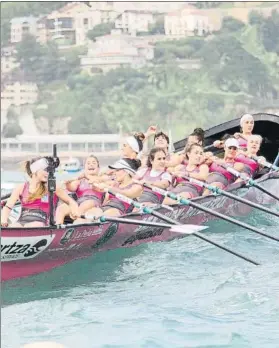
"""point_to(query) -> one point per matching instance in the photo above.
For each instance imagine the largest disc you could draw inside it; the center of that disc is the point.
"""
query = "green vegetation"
(239, 72)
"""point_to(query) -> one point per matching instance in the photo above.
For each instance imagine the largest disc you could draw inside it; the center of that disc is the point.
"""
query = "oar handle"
(124, 198)
(6, 196)
(264, 163)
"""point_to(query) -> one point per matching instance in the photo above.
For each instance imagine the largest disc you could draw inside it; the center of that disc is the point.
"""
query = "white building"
(19, 94)
(117, 50)
(133, 22)
(187, 22)
(21, 26)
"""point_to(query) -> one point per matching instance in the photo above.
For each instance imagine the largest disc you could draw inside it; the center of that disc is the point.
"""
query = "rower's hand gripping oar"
(263, 163)
(184, 229)
(149, 210)
(249, 180)
(219, 191)
(185, 201)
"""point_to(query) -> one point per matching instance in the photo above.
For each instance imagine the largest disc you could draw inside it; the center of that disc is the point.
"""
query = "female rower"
(195, 169)
(154, 174)
(131, 147)
(34, 198)
(251, 167)
(124, 171)
(88, 196)
(219, 176)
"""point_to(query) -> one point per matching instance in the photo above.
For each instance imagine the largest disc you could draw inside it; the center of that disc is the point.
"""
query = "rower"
(131, 147)
(154, 174)
(195, 169)
(88, 196)
(34, 197)
(123, 172)
(251, 167)
(219, 176)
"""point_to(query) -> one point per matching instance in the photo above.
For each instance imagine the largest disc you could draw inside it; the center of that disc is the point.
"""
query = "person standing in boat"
(219, 176)
(154, 174)
(34, 198)
(251, 167)
(195, 168)
(123, 172)
(246, 129)
(88, 196)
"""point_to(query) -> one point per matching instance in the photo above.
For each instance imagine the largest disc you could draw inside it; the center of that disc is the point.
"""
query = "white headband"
(133, 143)
(246, 117)
(40, 164)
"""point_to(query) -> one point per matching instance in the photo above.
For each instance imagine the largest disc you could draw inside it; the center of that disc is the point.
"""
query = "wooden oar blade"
(187, 229)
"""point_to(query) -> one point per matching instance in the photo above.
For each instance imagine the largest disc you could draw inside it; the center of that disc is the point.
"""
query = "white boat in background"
(72, 165)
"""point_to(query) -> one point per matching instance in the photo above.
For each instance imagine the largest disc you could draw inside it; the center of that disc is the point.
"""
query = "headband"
(132, 141)
(40, 164)
(246, 117)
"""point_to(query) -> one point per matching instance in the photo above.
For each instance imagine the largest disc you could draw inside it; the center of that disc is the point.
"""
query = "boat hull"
(26, 252)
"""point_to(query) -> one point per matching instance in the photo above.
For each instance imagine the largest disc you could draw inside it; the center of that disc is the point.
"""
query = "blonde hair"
(42, 188)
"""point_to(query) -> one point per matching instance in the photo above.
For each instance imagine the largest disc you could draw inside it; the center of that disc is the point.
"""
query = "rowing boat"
(29, 251)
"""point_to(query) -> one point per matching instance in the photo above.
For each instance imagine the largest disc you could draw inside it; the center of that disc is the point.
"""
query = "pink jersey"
(41, 204)
(242, 143)
(181, 181)
(115, 202)
(248, 162)
(215, 168)
(85, 189)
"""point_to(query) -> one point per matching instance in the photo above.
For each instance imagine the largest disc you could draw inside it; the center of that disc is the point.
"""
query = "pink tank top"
(38, 204)
(214, 168)
(249, 162)
(147, 177)
(112, 198)
(182, 181)
(85, 189)
(242, 143)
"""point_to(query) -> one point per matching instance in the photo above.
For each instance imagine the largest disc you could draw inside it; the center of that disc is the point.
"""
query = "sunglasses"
(232, 148)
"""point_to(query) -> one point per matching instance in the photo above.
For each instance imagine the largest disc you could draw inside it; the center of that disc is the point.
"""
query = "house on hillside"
(116, 50)
(8, 60)
(190, 21)
(133, 22)
(18, 94)
(21, 26)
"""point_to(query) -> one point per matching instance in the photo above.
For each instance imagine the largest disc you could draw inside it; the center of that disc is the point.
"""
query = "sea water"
(183, 293)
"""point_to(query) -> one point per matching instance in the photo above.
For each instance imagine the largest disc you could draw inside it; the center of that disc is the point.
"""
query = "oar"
(264, 163)
(6, 196)
(184, 229)
(185, 201)
(149, 210)
(249, 181)
(219, 191)
(276, 161)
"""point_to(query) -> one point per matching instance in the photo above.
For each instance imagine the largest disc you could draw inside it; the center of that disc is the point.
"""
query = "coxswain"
(87, 195)
(34, 198)
(154, 174)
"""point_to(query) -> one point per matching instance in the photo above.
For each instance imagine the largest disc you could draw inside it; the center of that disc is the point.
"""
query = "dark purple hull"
(26, 252)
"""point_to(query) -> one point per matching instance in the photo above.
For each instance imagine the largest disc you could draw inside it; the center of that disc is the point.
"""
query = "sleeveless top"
(148, 194)
(242, 143)
(42, 204)
(84, 189)
(114, 202)
(181, 181)
(215, 168)
(251, 165)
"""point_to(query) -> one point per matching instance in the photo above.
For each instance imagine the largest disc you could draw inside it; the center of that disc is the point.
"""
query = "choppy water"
(184, 293)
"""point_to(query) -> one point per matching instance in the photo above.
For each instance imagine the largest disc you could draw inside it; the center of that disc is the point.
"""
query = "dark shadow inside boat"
(97, 270)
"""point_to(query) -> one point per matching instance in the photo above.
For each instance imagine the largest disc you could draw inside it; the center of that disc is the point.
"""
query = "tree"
(11, 128)
(256, 18)
(231, 24)
(269, 32)
(100, 30)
